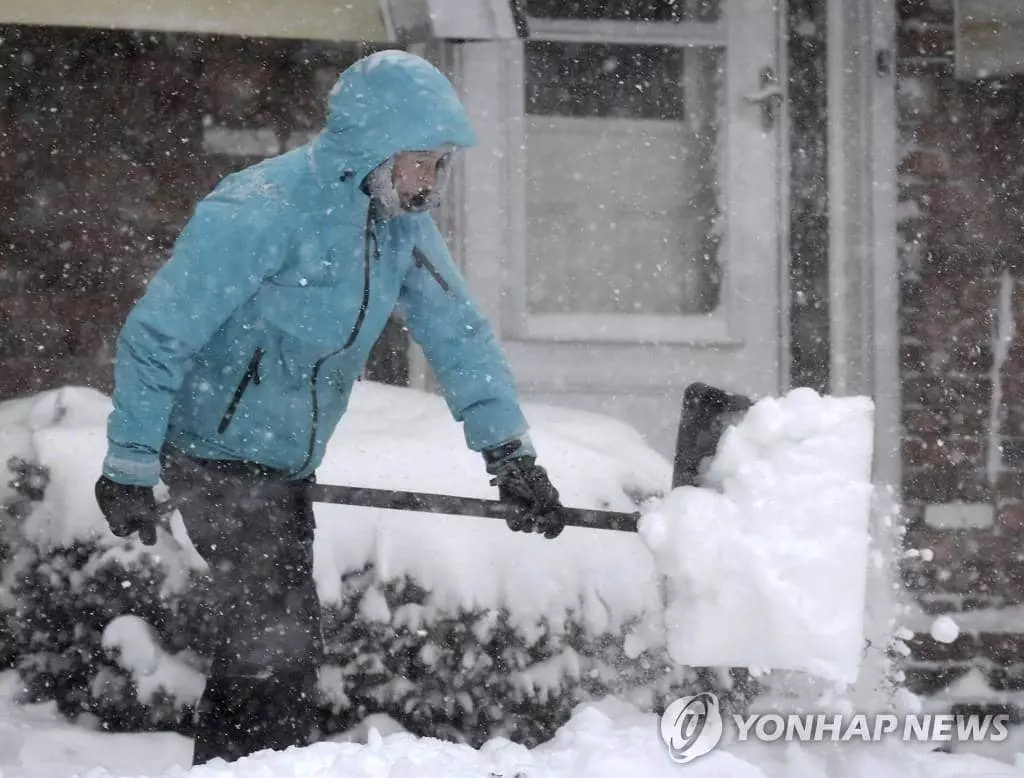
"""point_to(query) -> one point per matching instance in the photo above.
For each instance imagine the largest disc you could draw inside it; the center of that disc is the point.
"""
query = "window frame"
(720, 327)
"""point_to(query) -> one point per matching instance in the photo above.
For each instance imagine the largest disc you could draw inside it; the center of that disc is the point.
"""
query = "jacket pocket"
(421, 261)
(252, 375)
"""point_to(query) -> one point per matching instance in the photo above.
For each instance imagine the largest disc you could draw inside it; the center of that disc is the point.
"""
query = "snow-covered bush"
(25, 485)
(472, 675)
(65, 600)
(468, 675)
(58, 602)
(454, 627)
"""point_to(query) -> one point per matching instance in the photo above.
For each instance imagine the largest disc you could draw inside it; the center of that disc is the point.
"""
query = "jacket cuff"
(131, 469)
(516, 448)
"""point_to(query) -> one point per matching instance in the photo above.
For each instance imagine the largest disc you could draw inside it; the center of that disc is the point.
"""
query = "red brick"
(96, 192)
(968, 563)
(943, 453)
(952, 394)
(925, 10)
(967, 482)
(924, 40)
(925, 648)
(923, 164)
(1008, 679)
(1010, 517)
(928, 680)
(20, 377)
(58, 324)
(1001, 648)
(931, 421)
(1012, 453)
(1010, 483)
(979, 294)
(1012, 419)
(1011, 378)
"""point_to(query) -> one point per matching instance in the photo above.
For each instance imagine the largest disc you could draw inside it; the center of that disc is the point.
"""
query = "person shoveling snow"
(238, 363)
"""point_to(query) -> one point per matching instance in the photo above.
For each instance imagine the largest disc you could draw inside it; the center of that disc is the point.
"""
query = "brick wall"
(107, 140)
(962, 262)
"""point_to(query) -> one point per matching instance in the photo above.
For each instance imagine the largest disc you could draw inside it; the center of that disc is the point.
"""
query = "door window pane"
(593, 79)
(622, 178)
(627, 10)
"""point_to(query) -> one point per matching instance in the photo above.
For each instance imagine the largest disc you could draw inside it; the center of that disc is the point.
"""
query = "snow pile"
(400, 438)
(604, 740)
(61, 429)
(607, 739)
(770, 571)
(134, 646)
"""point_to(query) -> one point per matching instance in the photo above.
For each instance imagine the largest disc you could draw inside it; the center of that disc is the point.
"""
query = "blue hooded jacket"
(248, 341)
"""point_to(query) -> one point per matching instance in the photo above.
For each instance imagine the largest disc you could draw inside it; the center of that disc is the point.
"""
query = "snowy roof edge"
(378, 21)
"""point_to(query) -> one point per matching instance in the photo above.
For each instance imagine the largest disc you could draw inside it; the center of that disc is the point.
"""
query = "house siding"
(107, 141)
(962, 355)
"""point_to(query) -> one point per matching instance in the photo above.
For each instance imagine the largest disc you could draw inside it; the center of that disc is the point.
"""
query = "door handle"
(768, 95)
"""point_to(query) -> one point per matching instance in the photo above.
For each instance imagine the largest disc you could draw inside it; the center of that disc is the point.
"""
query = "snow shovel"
(707, 412)
(463, 506)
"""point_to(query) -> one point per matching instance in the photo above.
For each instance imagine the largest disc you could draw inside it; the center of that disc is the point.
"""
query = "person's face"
(415, 176)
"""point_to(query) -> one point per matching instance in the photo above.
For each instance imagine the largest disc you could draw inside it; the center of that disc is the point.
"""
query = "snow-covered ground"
(606, 740)
(769, 570)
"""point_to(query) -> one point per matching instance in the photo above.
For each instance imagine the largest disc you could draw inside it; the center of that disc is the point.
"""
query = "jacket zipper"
(369, 235)
(252, 374)
(421, 261)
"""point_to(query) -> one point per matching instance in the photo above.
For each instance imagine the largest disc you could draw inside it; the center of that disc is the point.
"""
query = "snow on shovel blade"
(765, 564)
(454, 505)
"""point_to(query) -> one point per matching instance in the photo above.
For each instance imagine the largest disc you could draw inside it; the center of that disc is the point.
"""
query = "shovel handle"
(462, 506)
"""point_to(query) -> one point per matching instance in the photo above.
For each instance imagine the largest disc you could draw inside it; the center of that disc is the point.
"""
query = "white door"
(621, 215)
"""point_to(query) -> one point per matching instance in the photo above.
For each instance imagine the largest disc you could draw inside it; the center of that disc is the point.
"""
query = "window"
(622, 146)
(604, 80)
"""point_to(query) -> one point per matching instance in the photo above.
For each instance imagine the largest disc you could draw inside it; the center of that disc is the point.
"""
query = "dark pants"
(255, 530)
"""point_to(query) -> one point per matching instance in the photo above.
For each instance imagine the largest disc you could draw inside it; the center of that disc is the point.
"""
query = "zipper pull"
(257, 358)
(376, 243)
(371, 228)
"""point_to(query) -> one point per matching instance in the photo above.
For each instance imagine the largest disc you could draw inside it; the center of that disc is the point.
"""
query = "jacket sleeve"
(218, 262)
(460, 344)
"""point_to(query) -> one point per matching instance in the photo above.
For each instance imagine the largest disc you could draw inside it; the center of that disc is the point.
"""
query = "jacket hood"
(386, 103)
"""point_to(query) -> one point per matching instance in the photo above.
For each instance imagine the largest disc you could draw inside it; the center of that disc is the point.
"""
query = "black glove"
(128, 509)
(522, 482)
